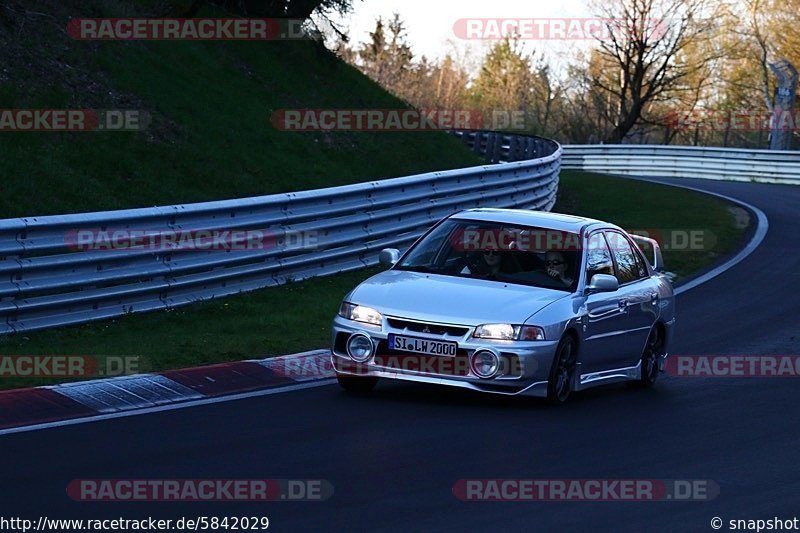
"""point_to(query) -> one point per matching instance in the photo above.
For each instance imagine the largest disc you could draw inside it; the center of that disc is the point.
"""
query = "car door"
(637, 300)
(605, 321)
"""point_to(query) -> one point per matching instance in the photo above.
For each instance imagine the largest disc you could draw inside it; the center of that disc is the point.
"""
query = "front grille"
(433, 329)
(383, 349)
(441, 365)
(427, 364)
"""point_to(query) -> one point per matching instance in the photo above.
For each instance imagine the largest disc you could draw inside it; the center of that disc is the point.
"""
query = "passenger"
(556, 266)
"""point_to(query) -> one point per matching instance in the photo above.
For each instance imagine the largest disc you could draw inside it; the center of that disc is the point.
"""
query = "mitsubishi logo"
(426, 330)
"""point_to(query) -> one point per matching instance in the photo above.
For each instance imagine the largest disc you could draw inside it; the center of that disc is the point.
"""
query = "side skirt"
(616, 375)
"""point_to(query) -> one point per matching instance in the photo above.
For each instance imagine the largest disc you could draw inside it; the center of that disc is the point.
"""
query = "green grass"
(296, 317)
(660, 210)
(211, 137)
(259, 324)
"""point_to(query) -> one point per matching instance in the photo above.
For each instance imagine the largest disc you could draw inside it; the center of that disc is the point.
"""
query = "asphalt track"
(394, 457)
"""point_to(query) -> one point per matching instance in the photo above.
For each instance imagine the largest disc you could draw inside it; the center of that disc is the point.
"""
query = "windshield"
(494, 251)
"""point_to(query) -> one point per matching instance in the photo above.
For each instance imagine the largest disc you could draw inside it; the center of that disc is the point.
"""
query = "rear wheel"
(650, 356)
(357, 384)
(559, 385)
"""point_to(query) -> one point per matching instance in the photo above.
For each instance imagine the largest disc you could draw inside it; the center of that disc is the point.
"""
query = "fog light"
(485, 364)
(359, 347)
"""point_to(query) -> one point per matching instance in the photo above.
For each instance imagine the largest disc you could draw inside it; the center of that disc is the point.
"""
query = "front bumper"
(525, 365)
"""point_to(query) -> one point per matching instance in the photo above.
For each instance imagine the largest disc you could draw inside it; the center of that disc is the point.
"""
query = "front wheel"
(357, 384)
(650, 356)
(559, 385)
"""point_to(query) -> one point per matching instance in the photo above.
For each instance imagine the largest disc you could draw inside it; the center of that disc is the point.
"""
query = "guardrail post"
(491, 148)
(517, 148)
(479, 145)
(530, 148)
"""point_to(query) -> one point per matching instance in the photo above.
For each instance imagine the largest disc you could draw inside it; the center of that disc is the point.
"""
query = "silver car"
(510, 302)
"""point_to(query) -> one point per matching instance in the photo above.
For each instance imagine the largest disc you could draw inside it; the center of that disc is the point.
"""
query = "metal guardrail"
(498, 147)
(46, 281)
(685, 162)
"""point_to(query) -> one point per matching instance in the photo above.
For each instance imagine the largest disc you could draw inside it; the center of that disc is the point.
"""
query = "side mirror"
(389, 257)
(602, 283)
(645, 244)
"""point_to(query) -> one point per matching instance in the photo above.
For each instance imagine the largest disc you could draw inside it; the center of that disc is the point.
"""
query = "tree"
(752, 35)
(387, 59)
(546, 93)
(372, 54)
(516, 83)
(449, 80)
(293, 9)
(643, 54)
(505, 78)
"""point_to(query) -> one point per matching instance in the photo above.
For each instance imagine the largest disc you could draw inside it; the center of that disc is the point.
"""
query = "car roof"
(527, 217)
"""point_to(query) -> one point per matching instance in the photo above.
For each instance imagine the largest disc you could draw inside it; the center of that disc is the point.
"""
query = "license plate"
(423, 346)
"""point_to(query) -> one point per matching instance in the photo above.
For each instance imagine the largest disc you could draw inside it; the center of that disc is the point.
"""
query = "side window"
(598, 257)
(628, 269)
(640, 263)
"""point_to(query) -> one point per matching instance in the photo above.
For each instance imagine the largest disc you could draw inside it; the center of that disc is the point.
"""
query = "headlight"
(509, 332)
(360, 313)
(485, 364)
(359, 347)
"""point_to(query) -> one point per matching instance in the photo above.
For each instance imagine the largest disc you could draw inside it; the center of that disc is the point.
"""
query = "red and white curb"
(75, 403)
(51, 406)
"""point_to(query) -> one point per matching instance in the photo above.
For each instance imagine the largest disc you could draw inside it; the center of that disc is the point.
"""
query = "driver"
(556, 266)
(490, 263)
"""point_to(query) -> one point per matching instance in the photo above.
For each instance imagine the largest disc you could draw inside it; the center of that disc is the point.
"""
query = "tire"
(559, 384)
(357, 384)
(650, 356)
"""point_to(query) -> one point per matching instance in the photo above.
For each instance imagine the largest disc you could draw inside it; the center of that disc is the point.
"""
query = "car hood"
(452, 300)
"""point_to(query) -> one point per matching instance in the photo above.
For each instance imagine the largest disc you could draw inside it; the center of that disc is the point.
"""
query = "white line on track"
(762, 226)
(170, 407)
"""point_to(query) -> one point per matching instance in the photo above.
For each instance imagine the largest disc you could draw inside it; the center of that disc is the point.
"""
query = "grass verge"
(211, 104)
(296, 317)
(695, 229)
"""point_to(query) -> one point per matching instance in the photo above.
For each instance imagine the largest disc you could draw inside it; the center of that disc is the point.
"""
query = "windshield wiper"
(420, 268)
(495, 277)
